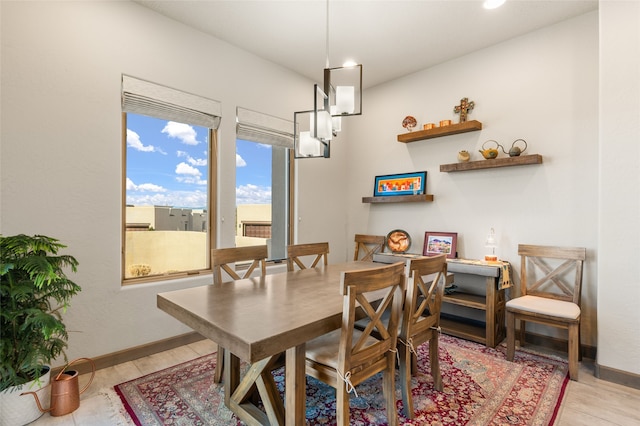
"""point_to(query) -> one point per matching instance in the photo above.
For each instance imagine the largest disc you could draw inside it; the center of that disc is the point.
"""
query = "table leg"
(490, 332)
(258, 377)
(295, 386)
(231, 375)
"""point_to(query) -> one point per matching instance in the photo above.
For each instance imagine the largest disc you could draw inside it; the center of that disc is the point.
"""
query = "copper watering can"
(65, 393)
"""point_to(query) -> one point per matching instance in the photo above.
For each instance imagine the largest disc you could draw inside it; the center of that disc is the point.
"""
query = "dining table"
(257, 320)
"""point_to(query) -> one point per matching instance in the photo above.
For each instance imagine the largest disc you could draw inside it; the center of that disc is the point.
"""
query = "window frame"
(212, 219)
(277, 132)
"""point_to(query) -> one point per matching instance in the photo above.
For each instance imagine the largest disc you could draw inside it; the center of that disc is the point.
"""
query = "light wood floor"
(589, 401)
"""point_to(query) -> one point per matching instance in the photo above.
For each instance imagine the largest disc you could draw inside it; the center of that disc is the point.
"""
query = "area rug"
(480, 388)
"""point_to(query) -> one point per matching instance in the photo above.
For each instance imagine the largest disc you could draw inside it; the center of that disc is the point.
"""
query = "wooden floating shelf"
(492, 164)
(399, 199)
(453, 129)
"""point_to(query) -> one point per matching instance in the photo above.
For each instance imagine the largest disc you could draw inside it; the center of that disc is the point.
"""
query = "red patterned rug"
(480, 388)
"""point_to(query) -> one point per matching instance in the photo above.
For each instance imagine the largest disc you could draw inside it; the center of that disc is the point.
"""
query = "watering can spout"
(35, 395)
(65, 393)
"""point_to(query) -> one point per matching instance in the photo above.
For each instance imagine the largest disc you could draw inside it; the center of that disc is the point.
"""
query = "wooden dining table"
(258, 319)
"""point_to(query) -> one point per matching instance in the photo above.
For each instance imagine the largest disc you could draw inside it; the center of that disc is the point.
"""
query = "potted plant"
(34, 292)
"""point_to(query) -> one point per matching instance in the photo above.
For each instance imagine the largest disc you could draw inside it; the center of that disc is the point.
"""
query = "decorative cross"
(464, 108)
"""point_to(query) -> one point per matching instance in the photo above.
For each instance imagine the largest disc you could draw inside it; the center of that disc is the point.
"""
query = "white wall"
(60, 153)
(61, 146)
(619, 187)
(541, 87)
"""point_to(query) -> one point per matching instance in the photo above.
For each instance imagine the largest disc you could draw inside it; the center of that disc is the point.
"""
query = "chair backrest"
(552, 272)
(360, 348)
(296, 251)
(423, 298)
(368, 245)
(221, 258)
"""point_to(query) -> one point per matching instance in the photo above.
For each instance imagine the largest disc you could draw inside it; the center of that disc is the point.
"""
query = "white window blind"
(146, 98)
(262, 128)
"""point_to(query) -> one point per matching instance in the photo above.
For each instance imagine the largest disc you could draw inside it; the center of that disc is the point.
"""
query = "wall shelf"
(453, 129)
(399, 199)
(492, 164)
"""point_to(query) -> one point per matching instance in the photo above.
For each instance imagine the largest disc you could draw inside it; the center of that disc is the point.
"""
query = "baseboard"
(608, 374)
(556, 344)
(131, 354)
(619, 377)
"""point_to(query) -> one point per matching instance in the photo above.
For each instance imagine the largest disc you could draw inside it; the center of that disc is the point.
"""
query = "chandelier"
(340, 96)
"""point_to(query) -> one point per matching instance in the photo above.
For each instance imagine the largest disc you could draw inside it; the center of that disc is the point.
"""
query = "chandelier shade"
(343, 86)
(306, 145)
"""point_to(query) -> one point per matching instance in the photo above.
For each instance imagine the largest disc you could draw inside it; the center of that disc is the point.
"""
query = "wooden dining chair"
(297, 251)
(550, 287)
(367, 246)
(222, 260)
(421, 322)
(346, 357)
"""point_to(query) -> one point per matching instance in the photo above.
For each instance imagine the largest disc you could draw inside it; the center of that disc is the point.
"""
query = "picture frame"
(400, 184)
(436, 243)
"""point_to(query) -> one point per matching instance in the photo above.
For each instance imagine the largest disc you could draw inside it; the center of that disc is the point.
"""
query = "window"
(169, 181)
(263, 186)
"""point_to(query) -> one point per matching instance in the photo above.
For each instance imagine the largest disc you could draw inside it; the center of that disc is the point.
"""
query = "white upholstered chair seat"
(545, 306)
(324, 349)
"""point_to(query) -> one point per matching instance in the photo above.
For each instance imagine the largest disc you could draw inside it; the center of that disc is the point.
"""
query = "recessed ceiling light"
(492, 4)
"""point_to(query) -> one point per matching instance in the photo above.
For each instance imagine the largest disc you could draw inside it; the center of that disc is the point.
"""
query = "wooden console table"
(492, 303)
(489, 299)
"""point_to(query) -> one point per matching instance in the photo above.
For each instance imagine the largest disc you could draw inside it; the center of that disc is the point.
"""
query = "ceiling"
(390, 38)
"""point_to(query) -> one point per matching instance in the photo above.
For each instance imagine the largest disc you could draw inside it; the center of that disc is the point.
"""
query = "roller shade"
(146, 98)
(262, 128)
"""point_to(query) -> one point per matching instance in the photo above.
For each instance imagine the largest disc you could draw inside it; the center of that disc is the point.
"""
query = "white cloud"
(185, 169)
(191, 160)
(148, 187)
(188, 174)
(240, 161)
(189, 199)
(133, 141)
(253, 194)
(181, 131)
(151, 187)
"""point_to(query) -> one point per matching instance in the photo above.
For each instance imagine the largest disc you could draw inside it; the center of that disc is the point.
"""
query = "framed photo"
(400, 184)
(440, 243)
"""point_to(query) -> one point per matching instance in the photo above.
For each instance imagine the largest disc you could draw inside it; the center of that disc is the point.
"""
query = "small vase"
(463, 156)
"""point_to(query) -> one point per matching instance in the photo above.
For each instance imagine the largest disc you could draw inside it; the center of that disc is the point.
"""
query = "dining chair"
(550, 286)
(421, 322)
(221, 260)
(367, 246)
(297, 251)
(347, 356)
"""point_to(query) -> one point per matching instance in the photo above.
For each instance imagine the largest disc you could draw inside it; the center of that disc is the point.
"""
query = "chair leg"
(574, 346)
(342, 405)
(389, 390)
(523, 332)
(435, 363)
(405, 379)
(579, 343)
(217, 375)
(511, 335)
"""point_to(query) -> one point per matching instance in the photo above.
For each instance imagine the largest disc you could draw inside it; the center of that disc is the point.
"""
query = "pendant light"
(340, 96)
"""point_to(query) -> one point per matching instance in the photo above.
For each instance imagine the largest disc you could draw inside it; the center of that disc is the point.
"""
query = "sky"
(167, 164)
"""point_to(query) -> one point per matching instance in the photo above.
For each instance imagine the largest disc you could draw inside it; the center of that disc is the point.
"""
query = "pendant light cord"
(327, 65)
